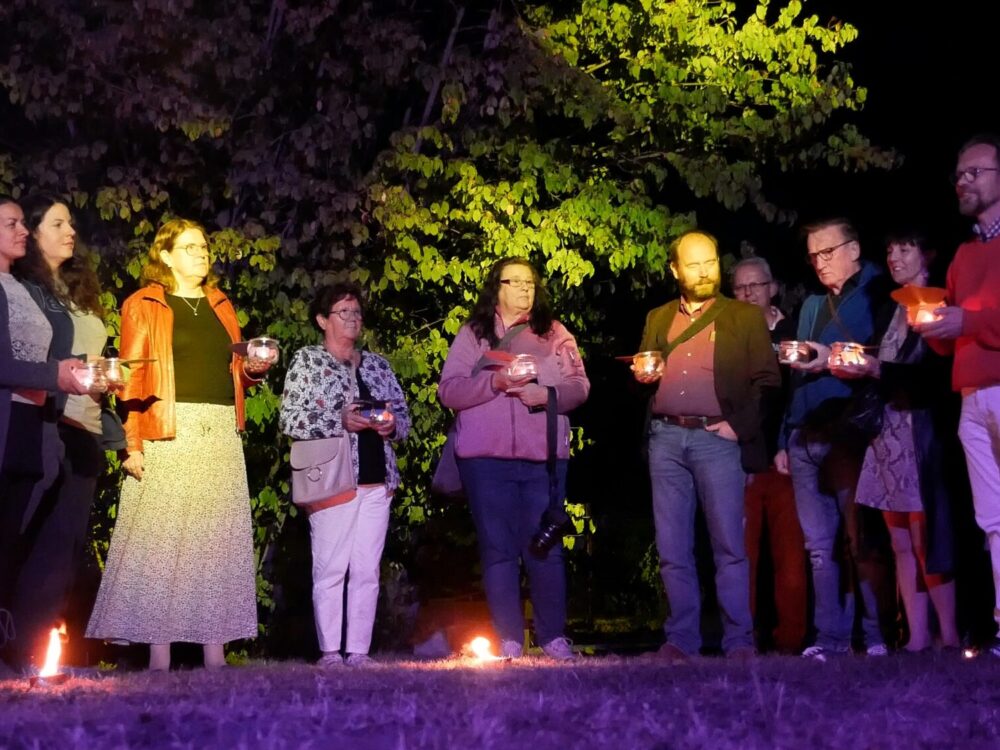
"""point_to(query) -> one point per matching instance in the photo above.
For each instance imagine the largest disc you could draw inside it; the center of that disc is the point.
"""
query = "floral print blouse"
(318, 385)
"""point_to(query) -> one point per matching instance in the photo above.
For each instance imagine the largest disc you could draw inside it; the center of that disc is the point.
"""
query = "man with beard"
(704, 435)
(970, 328)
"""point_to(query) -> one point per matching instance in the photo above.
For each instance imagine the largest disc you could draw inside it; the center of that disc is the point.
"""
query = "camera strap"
(556, 513)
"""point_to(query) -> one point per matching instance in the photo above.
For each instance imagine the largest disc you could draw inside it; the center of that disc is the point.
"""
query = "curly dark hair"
(79, 288)
(329, 295)
(482, 319)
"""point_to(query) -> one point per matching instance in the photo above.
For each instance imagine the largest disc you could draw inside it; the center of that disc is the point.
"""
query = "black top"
(371, 450)
(201, 353)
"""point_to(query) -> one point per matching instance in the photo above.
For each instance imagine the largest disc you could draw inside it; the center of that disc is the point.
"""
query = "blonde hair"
(158, 272)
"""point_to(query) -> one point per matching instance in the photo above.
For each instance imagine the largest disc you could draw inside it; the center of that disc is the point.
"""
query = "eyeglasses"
(194, 251)
(518, 283)
(347, 315)
(971, 174)
(826, 253)
(751, 287)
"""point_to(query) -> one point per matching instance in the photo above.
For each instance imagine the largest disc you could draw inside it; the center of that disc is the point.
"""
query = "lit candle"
(926, 313)
(842, 353)
(793, 351)
(648, 363)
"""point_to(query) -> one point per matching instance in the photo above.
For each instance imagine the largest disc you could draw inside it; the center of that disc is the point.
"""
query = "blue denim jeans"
(688, 466)
(824, 476)
(507, 498)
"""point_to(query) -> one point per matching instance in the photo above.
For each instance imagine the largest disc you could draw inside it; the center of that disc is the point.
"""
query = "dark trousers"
(22, 469)
(507, 498)
(771, 514)
(55, 540)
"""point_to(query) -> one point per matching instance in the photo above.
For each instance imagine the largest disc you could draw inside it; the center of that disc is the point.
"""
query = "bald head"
(695, 264)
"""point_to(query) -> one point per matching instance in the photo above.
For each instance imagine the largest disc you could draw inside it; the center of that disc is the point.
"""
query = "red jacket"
(148, 333)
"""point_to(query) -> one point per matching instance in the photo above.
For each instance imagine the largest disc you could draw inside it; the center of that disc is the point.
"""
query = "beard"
(970, 204)
(702, 290)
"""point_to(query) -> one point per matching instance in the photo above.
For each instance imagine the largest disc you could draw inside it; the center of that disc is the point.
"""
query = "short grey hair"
(753, 262)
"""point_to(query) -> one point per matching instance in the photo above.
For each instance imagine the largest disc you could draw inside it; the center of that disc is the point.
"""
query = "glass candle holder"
(523, 366)
(263, 349)
(846, 353)
(376, 412)
(91, 377)
(648, 363)
(794, 351)
(112, 369)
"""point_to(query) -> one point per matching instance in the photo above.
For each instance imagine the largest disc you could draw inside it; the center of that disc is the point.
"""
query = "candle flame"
(54, 651)
(480, 648)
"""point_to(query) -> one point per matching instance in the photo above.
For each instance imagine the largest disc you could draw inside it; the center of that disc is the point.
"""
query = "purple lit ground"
(779, 702)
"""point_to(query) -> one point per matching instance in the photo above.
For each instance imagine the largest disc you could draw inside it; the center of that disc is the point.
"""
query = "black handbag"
(864, 411)
(112, 429)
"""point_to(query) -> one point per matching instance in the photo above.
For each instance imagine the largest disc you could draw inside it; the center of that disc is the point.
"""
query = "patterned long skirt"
(181, 566)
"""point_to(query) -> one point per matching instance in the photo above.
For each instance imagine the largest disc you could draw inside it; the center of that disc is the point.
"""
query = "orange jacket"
(148, 333)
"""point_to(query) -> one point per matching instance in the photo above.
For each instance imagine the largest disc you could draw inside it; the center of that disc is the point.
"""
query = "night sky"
(933, 79)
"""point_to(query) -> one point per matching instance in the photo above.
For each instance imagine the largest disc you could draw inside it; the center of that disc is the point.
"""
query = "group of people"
(845, 455)
(829, 454)
(180, 567)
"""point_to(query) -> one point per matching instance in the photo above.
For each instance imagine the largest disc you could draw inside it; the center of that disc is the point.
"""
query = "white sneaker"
(511, 650)
(877, 650)
(359, 660)
(330, 660)
(560, 649)
(817, 653)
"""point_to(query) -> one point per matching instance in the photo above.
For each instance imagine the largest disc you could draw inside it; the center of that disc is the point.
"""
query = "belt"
(687, 421)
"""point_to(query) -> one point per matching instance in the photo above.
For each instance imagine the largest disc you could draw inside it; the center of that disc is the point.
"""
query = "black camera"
(549, 535)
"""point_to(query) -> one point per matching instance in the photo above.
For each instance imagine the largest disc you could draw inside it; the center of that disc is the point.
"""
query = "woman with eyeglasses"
(181, 565)
(501, 445)
(904, 471)
(27, 376)
(326, 388)
(64, 285)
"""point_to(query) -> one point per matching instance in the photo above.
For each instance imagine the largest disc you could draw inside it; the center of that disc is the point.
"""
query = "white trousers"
(348, 537)
(979, 430)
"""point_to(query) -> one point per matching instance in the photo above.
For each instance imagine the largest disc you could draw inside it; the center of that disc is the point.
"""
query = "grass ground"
(932, 701)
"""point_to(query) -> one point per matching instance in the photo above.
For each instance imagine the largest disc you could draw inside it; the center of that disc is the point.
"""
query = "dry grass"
(776, 702)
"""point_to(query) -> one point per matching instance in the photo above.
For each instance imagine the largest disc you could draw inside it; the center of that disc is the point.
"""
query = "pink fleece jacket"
(491, 424)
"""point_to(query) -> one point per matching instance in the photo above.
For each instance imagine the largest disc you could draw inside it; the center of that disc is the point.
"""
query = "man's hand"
(531, 394)
(645, 377)
(817, 363)
(781, 462)
(947, 325)
(869, 367)
(723, 430)
(133, 465)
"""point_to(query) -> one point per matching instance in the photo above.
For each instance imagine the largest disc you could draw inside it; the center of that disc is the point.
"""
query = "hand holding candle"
(647, 366)
(848, 360)
(262, 352)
